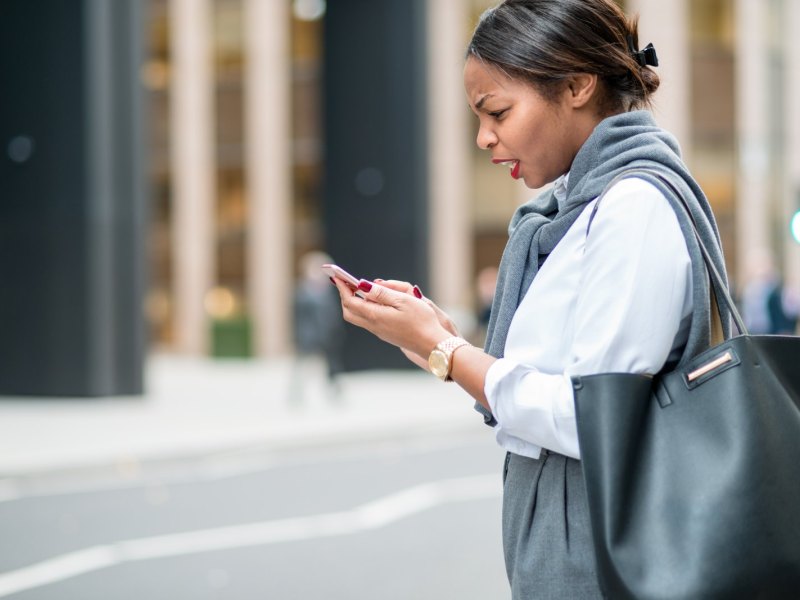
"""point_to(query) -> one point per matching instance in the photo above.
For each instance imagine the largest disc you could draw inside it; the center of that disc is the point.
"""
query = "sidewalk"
(195, 406)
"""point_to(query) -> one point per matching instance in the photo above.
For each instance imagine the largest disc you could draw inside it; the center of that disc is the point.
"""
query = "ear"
(582, 87)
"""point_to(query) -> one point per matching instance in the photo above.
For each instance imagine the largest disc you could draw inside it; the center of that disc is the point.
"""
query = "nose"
(486, 137)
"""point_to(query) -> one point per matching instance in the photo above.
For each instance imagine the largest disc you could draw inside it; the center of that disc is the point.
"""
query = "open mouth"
(511, 163)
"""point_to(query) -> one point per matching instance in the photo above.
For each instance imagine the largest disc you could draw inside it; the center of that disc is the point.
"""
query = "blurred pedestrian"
(759, 283)
(768, 305)
(318, 328)
(558, 87)
(782, 308)
(485, 284)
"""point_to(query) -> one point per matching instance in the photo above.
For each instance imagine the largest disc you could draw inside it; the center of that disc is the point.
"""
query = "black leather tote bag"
(693, 476)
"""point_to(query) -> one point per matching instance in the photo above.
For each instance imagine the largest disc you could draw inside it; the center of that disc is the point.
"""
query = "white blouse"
(619, 300)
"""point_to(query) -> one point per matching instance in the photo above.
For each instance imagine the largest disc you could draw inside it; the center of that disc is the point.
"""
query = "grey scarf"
(618, 143)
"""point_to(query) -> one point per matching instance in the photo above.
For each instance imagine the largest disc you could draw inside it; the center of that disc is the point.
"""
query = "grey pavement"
(198, 406)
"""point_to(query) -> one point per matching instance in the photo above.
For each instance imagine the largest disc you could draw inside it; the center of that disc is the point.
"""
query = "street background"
(217, 484)
(183, 413)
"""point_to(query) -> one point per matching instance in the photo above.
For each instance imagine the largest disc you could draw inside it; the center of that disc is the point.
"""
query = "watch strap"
(449, 346)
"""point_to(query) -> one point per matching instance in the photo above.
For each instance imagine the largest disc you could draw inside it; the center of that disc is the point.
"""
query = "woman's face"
(537, 138)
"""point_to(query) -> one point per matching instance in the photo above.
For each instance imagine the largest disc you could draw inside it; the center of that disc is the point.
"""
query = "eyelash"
(498, 113)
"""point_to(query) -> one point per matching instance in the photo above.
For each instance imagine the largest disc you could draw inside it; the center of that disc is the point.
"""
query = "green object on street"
(231, 338)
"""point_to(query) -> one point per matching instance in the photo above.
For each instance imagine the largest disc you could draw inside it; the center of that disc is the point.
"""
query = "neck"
(586, 121)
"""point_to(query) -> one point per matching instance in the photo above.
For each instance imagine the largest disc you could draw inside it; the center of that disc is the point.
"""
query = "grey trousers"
(547, 538)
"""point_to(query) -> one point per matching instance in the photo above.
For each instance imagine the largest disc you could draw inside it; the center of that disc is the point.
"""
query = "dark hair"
(546, 41)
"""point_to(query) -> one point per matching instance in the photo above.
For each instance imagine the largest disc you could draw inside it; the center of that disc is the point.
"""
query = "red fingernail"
(417, 292)
(364, 285)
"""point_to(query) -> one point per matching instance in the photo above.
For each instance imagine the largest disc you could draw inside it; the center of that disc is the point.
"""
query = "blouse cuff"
(533, 407)
(496, 373)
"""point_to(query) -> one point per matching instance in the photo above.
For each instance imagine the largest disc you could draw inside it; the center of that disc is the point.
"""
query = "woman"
(583, 287)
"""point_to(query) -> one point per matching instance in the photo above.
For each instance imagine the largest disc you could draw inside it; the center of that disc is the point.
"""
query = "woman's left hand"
(395, 317)
(403, 286)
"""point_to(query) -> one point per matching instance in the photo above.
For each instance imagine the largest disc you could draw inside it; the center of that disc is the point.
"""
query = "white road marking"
(216, 467)
(371, 515)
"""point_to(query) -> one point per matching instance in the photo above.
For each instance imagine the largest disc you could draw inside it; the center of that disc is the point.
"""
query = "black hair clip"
(646, 57)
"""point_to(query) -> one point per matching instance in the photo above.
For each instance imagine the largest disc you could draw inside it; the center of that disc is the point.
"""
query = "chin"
(540, 180)
(534, 184)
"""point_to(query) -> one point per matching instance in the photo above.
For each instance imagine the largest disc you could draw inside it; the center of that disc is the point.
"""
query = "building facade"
(239, 93)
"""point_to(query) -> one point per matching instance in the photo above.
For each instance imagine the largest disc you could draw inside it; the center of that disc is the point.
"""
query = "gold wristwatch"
(440, 360)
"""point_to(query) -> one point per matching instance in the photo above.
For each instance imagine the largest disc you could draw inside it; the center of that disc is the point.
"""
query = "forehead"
(480, 77)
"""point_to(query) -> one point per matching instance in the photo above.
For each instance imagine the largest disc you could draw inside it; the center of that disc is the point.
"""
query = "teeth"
(509, 163)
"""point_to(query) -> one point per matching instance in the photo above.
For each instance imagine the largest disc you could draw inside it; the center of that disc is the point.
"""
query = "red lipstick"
(512, 163)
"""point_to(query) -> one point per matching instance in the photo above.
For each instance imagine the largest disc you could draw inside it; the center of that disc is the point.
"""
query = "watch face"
(438, 363)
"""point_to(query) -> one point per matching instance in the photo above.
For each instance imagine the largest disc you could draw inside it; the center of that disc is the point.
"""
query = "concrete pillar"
(72, 215)
(666, 25)
(193, 170)
(450, 230)
(268, 163)
(790, 23)
(752, 124)
(375, 197)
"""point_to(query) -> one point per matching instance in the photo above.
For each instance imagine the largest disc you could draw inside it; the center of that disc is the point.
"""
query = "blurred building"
(276, 127)
(249, 118)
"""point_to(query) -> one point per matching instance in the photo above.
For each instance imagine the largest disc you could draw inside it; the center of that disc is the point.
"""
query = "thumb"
(380, 294)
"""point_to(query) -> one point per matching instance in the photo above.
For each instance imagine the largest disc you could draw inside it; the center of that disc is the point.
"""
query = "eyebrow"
(480, 102)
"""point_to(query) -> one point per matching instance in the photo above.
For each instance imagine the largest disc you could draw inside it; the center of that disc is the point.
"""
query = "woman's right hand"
(444, 319)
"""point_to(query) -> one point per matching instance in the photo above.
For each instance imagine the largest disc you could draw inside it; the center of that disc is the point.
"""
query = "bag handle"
(717, 283)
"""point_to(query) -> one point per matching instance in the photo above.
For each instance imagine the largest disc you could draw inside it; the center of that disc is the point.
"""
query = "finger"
(381, 295)
(352, 316)
(335, 283)
(366, 315)
(439, 312)
(340, 285)
(359, 310)
(444, 318)
(345, 290)
(435, 307)
(394, 284)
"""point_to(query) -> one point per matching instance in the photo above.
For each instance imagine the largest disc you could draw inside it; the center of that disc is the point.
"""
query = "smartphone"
(340, 273)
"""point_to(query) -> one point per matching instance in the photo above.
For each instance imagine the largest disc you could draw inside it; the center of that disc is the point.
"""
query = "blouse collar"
(560, 190)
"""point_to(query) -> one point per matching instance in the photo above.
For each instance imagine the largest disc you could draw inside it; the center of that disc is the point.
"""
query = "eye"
(498, 113)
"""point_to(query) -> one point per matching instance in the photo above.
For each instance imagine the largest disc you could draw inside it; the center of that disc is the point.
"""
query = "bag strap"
(717, 334)
(718, 285)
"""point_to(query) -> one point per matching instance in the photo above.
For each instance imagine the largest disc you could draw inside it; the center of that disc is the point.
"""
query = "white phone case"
(340, 273)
